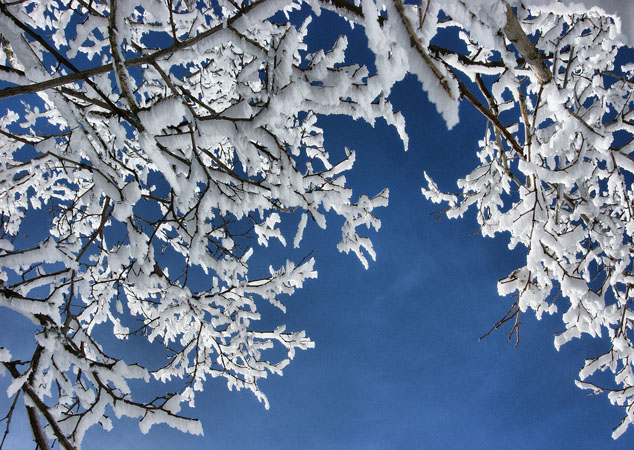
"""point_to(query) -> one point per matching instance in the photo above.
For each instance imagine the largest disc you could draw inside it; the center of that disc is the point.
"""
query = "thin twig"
(8, 418)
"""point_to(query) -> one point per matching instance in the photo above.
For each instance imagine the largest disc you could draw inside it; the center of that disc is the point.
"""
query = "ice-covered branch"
(162, 140)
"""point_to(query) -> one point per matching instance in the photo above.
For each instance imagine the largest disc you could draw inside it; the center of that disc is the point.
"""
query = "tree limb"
(416, 43)
(105, 68)
(514, 33)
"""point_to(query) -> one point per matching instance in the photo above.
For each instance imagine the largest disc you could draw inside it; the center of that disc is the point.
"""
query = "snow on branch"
(168, 139)
(554, 172)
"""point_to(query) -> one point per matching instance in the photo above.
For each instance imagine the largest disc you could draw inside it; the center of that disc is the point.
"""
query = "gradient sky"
(397, 363)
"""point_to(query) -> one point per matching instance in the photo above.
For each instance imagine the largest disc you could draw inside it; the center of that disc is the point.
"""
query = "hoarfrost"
(162, 162)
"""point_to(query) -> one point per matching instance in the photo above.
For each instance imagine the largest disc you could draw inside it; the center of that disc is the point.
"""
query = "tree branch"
(8, 418)
(416, 43)
(36, 428)
(147, 59)
(514, 33)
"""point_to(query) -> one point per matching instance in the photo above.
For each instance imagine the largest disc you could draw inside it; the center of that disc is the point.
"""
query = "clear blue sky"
(397, 363)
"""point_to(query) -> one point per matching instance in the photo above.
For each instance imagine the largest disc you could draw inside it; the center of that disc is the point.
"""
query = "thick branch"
(36, 428)
(514, 33)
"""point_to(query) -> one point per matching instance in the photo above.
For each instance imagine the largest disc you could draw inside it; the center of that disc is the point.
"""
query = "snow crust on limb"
(556, 173)
(157, 162)
(621, 10)
(394, 60)
(154, 163)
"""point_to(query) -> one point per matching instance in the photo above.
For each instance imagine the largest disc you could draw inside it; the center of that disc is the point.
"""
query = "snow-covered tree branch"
(168, 138)
(556, 173)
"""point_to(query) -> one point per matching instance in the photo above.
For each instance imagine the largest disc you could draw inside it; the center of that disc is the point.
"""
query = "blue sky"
(397, 363)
